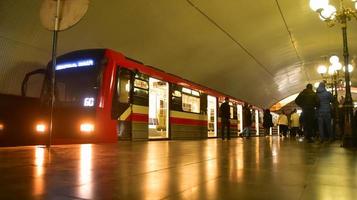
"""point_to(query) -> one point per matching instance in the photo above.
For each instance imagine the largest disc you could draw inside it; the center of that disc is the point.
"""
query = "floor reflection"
(274, 144)
(255, 168)
(257, 154)
(240, 161)
(157, 156)
(39, 160)
(211, 167)
(85, 172)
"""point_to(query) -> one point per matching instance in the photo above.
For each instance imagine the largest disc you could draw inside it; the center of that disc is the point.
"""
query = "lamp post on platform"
(331, 16)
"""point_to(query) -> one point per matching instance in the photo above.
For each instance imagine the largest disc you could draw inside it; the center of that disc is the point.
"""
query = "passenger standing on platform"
(308, 101)
(283, 124)
(247, 120)
(294, 123)
(324, 113)
(267, 121)
(225, 116)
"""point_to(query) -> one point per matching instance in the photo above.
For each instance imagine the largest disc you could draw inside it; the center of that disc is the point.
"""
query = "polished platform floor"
(257, 168)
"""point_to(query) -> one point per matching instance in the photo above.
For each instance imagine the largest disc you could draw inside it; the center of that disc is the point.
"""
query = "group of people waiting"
(316, 115)
(292, 123)
(316, 106)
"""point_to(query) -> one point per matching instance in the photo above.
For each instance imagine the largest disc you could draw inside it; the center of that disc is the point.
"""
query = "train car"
(103, 96)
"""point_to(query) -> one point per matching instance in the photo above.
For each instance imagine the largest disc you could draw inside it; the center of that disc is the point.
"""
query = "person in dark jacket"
(225, 116)
(267, 121)
(324, 113)
(247, 120)
(308, 101)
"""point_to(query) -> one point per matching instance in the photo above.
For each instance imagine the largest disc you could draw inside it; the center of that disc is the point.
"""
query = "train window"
(141, 84)
(176, 103)
(176, 93)
(141, 76)
(176, 97)
(121, 99)
(141, 91)
(190, 103)
(141, 97)
(123, 87)
(191, 92)
(74, 85)
(186, 90)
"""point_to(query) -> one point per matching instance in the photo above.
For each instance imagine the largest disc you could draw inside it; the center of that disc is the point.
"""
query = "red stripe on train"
(139, 117)
(175, 120)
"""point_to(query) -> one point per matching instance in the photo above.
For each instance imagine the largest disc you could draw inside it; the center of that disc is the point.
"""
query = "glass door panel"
(158, 109)
(212, 116)
(240, 118)
(257, 122)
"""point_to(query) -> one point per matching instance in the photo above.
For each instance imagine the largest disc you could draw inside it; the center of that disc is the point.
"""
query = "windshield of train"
(77, 83)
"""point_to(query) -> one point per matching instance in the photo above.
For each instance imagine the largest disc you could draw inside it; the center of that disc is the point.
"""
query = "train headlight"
(2, 126)
(87, 127)
(41, 127)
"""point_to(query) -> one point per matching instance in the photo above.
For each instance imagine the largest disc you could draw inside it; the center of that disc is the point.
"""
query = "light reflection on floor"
(39, 159)
(256, 168)
(85, 172)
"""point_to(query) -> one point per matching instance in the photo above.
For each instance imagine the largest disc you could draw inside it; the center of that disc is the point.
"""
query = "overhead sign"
(80, 63)
(69, 12)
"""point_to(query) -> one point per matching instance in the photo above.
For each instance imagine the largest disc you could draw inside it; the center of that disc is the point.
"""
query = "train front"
(77, 113)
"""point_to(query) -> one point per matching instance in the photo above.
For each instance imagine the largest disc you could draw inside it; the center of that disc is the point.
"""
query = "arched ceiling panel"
(260, 51)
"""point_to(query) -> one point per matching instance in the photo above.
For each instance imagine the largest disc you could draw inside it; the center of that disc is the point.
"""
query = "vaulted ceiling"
(260, 51)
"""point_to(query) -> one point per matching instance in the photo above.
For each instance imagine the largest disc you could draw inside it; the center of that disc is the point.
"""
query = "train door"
(158, 109)
(240, 118)
(212, 116)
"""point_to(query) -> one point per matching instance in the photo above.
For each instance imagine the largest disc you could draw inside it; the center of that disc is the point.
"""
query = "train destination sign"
(80, 63)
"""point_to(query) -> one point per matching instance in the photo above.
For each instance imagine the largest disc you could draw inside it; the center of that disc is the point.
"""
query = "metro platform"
(255, 168)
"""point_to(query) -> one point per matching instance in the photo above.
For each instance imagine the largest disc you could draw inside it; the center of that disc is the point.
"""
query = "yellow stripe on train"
(140, 109)
(125, 114)
(133, 109)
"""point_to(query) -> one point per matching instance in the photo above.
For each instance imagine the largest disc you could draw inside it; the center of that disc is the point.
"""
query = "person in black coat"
(225, 115)
(267, 121)
(247, 120)
(308, 101)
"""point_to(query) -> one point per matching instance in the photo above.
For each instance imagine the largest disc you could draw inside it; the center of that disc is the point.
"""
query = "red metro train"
(103, 96)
